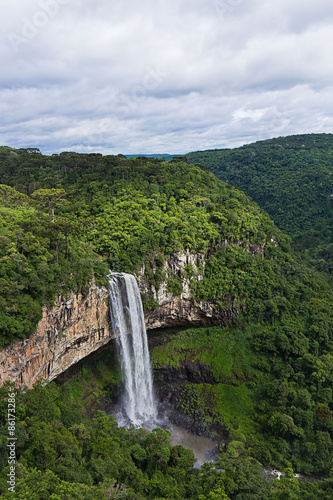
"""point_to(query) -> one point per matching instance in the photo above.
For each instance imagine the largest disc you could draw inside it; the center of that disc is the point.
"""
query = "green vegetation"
(84, 214)
(68, 448)
(38, 259)
(265, 383)
(268, 404)
(63, 453)
(165, 157)
(292, 179)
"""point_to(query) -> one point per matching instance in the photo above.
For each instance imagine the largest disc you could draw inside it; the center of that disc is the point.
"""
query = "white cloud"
(163, 76)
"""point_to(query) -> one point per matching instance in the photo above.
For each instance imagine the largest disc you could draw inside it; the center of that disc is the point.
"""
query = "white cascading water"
(128, 324)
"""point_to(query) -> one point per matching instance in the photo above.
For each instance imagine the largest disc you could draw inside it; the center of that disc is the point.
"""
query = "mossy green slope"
(263, 403)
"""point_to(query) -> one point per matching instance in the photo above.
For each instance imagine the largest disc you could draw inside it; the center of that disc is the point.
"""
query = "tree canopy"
(292, 179)
(272, 394)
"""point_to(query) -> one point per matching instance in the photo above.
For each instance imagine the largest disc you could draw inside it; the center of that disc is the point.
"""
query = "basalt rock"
(180, 312)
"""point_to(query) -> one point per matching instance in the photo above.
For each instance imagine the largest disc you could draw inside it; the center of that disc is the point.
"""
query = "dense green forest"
(67, 453)
(68, 218)
(292, 179)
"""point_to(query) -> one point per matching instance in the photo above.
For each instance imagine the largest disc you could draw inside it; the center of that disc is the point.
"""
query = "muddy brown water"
(202, 447)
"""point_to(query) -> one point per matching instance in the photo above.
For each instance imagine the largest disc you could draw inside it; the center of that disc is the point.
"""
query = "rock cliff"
(182, 309)
(184, 266)
(68, 331)
(179, 312)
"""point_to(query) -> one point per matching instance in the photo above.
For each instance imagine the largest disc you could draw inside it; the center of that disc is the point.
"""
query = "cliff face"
(79, 325)
(69, 331)
(178, 266)
(183, 310)
(180, 312)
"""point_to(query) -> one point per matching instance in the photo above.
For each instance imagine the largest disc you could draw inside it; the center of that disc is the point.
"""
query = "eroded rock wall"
(176, 265)
(183, 310)
(68, 331)
(180, 312)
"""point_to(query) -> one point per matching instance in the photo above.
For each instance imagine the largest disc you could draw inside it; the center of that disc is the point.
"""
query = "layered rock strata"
(180, 312)
(70, 330)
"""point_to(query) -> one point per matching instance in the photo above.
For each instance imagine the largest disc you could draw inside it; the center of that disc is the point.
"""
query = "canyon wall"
(70, 330)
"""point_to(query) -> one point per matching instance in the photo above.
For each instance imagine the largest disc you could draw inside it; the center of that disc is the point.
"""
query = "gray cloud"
(163, 76)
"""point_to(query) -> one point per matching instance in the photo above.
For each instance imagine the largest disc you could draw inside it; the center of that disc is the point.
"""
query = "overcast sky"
(163, 76)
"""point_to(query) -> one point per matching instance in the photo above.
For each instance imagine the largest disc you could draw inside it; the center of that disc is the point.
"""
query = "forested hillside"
(292, 179)
(69, 217)
(265, 383)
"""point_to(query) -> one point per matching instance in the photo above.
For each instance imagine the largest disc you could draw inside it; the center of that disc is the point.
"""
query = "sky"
(163, 76)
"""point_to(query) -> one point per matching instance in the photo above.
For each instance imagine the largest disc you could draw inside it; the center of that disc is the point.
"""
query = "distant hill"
(292, 179)
(166, 157)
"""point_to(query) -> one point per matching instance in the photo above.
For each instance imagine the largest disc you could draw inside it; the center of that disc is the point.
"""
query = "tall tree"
(9, 193)
(49, 197)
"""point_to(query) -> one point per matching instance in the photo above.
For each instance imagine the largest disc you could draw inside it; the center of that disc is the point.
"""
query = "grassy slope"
(227, 400)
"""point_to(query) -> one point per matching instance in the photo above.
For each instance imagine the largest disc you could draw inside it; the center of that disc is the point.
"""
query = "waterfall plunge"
(128, 324)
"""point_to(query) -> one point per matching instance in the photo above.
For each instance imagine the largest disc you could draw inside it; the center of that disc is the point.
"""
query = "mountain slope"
(292, 179)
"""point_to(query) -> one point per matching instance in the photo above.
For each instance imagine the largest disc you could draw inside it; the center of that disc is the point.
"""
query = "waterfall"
(128, 325)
